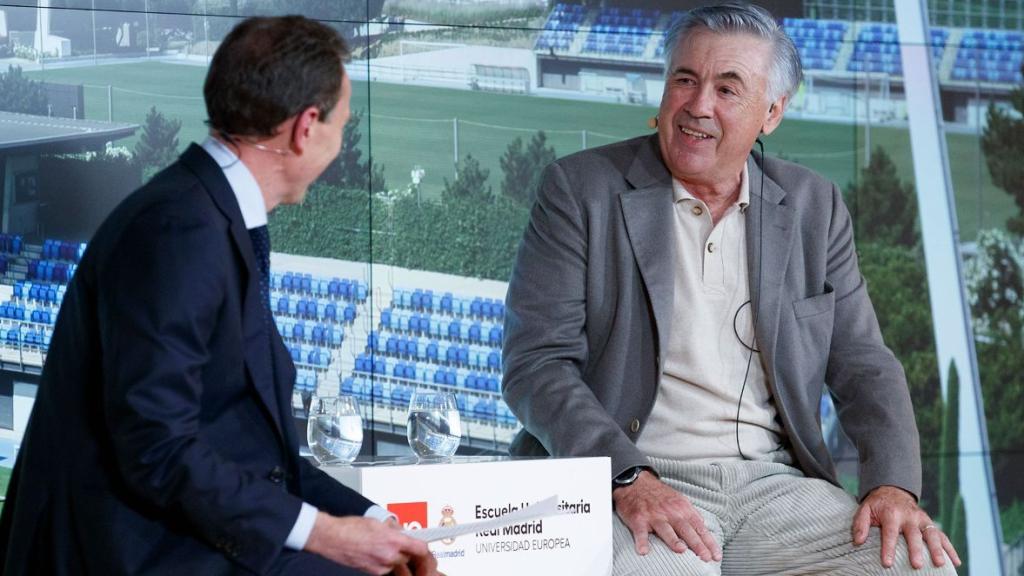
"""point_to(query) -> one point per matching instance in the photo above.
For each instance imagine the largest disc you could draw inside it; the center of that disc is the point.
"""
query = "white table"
(468, 489)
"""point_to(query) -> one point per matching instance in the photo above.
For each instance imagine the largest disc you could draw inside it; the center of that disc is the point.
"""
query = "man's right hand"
(370, 545)
(648, 505)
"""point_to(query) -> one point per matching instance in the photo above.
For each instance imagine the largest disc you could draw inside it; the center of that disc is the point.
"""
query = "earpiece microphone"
(757, 309)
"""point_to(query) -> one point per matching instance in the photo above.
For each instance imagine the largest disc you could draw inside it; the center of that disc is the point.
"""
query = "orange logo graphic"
(411, 515)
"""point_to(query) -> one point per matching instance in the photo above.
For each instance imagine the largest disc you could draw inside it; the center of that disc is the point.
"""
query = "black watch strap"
(628, 476)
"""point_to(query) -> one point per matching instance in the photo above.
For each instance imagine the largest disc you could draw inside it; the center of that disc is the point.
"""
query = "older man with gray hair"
(678, 304)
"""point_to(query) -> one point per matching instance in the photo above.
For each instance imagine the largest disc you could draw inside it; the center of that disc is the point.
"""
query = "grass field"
(5, 478)
(412, 125)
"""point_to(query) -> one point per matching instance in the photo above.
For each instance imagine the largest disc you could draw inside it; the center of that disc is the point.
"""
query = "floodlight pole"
(951, 315)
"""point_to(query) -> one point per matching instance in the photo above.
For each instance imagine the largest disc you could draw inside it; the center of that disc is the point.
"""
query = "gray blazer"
(590, 308)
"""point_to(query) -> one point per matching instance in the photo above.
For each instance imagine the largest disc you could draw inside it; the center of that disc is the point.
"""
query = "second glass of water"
(334, 429)
(434, 427)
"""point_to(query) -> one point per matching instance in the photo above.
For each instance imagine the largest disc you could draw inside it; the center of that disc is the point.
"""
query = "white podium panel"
(578, 541)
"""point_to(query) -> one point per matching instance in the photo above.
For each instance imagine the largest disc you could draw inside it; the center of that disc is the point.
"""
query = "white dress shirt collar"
(243, 183)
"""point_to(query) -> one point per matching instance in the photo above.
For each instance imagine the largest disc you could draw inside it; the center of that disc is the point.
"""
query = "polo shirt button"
(697, 210)
(634, 426)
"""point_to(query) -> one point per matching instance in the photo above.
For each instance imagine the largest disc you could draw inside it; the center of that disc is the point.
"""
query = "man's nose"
(700, 103)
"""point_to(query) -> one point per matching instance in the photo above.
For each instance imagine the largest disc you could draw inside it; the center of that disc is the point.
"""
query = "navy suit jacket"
(161, 438)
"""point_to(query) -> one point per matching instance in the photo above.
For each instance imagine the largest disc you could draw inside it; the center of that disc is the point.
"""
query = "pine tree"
(469, 183)
(949, 450)
(348, 171)
(1003, 144)
(952, 516)
(158, 145)
(20, 94)
(883, 206)
(523, 168)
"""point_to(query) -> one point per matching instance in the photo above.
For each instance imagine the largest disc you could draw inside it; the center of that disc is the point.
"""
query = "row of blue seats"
(609, 23)
(875, 57)
(623, 49)
(428, 373)
(612, 32)
(809, 23)
(576, 11)
(798, 34)
(305, 381)
(544, 43)
(890, 68)
(319, 334)
(998, 65)
(989, 54)
(634, 12)
(486, 409)
(50, 271)
(61, 250)
(30, 337)
(447, 303)
(995, 76)
(343, 288)
(456, 330)
(313, 355)
(609, 39)
(314, 309)
(39, 315)
(11, 243)
(829, 46)
(482, 357)
(818, 63)
(39, 292)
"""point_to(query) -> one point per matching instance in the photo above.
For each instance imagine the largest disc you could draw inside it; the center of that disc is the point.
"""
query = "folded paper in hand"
(544, 508)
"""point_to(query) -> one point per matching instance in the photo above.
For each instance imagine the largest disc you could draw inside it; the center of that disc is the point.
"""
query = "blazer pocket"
(815, 305)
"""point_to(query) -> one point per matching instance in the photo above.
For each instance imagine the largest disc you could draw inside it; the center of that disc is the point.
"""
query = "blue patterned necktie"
(261, 246)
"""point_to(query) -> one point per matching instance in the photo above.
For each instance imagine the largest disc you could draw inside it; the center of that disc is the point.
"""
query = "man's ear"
(774, 115)
(302, 128)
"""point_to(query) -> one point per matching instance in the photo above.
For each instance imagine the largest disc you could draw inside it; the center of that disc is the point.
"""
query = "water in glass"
(334, 430)
(434, 426)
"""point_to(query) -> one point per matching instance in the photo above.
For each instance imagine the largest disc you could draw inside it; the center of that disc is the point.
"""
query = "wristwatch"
(629, 476)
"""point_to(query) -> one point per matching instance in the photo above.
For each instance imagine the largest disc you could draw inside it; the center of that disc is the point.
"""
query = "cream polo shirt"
(694, 418)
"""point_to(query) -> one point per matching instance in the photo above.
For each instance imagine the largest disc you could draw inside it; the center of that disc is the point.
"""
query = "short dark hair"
(269, 69)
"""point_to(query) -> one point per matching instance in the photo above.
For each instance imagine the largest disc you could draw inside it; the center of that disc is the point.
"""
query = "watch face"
(628, 477)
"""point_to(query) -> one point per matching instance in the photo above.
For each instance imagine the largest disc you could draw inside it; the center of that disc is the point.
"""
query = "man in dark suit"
(161, 440)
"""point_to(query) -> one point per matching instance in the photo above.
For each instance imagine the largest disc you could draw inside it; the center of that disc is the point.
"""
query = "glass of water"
(434, 427)
(334, 429)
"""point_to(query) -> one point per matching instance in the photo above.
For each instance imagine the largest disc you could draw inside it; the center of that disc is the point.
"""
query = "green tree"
(1001, 370)
(330, 223)
(995, 285)
(884, 208)
(348, 171)
(952, 516)
(20, 94)
(523, 168)
(1003, 144)
(470, 182)
(158, 145)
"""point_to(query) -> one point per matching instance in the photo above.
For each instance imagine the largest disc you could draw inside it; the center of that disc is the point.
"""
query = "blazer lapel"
(649, 215)
(769, 236)
(257, 359)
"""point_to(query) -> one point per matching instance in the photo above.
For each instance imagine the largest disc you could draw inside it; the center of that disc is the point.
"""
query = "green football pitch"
(410, 126)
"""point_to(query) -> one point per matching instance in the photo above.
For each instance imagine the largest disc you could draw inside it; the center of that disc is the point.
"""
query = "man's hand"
(895, 511)
(648, 505)
(370, 545)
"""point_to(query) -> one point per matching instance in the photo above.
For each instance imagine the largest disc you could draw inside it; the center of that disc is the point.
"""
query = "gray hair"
(735, 17)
